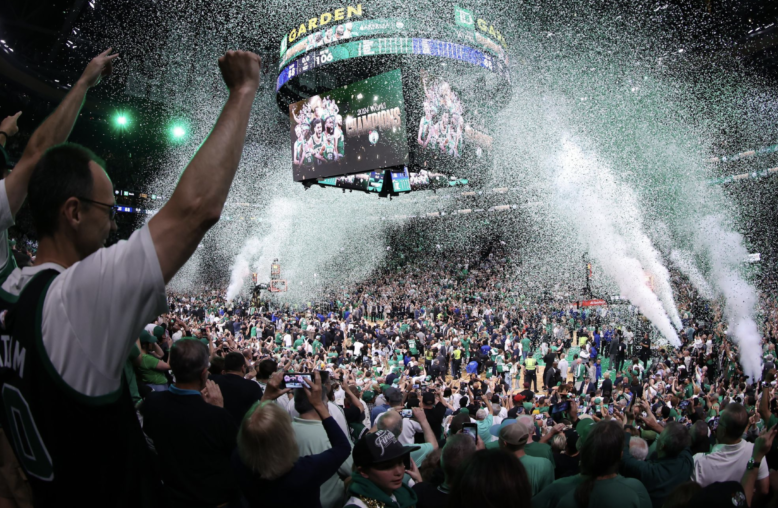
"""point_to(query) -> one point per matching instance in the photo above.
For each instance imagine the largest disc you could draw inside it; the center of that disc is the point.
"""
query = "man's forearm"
(210, 173)
(53, 131)
(56, 128)
(429, 436)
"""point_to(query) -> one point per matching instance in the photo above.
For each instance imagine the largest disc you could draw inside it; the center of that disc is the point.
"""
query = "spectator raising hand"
(8, 127)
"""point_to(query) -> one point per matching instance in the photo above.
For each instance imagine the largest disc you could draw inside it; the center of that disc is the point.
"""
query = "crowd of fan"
(437, 384)
(441, 387)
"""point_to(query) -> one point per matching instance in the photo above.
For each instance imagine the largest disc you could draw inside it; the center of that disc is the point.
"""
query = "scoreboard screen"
(352, 129)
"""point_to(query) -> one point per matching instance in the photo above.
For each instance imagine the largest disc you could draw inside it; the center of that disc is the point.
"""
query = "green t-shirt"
(147, 373)
(540, 472)
(129, 373)
(298, 343)
(525, 344)
(541, 450)
(618, 492)
(253, 331)
(316, 345)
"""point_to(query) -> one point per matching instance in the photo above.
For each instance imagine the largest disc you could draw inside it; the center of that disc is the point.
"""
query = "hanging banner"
(592, 303)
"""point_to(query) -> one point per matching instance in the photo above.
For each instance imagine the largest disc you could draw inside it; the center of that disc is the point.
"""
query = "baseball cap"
(147, 337)
(379, 447)
(515, 434)
(495, 429)
(159, 332)
(368, 396)
(428, 398)
(518, 398)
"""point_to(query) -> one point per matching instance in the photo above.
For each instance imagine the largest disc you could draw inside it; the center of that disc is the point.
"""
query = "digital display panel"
(450, 128)
(367, 182)
(337, 34)
(401, 180)
(391, 46)
(424, 180)
(353, 129)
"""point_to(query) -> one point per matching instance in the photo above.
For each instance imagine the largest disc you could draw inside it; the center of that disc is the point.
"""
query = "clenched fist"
(240, 70)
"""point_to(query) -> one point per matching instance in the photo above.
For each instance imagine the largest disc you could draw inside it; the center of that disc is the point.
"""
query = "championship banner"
(353, 129)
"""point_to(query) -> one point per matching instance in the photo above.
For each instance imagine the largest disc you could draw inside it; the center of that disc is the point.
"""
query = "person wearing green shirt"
(316, 345)
(466, 347)
(133, 359)
(540, 472)
(299, 342)
(601, 447)
(151, 369)
(525, 346)
(673, 466)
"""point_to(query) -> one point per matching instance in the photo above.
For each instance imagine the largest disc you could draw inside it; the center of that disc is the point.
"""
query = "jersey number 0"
(23, 433)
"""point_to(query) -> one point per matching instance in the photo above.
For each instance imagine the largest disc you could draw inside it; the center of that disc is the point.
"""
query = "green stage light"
(121, 120)
(178, 132)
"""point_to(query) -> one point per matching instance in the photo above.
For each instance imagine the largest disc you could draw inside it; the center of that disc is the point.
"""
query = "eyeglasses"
(111, 208)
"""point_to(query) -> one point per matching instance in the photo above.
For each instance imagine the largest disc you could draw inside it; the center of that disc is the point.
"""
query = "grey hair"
(391, 421)
(638, 448)
(559, 442)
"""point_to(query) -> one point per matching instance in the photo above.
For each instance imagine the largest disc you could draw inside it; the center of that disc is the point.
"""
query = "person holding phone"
(267, 460)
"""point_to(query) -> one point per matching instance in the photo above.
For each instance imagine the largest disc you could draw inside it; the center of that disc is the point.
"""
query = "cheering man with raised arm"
(74, 315)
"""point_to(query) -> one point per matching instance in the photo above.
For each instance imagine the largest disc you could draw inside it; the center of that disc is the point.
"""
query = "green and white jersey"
(68, 335)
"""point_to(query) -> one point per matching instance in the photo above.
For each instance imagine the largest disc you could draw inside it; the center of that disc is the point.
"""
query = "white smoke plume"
(683, 260)
(726, 252)
(604, 213)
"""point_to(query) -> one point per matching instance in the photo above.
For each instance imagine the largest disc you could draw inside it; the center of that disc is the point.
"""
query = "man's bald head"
(391, 421)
